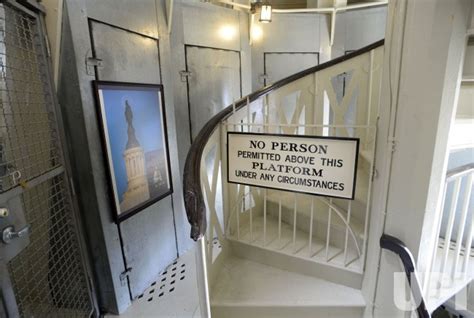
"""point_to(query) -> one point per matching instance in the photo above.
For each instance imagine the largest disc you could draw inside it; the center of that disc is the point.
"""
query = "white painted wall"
(202, 24)
(286, 33)
(310, 33)
(358, 28)
(423, 64)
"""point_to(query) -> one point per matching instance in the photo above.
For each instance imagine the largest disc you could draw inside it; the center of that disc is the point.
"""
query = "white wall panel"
(286, 33)
(211, 26)
(138, 16)
(200, 25)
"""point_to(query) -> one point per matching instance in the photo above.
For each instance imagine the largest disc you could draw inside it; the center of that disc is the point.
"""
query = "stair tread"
(242, 282)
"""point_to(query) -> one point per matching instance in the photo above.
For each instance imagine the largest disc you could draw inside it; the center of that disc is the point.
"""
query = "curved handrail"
(398, 247)
(193, 198)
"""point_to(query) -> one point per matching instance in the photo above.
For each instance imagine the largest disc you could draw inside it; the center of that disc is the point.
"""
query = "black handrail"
(193, 198)
(398, 247)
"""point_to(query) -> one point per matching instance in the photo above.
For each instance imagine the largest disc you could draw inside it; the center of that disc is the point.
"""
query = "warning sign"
(324, 166)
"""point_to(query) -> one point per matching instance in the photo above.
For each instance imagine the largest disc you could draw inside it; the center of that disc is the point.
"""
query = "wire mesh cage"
(29, 144)
(48, 276)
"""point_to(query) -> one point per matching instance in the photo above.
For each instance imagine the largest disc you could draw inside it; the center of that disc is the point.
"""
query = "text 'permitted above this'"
(308, 164)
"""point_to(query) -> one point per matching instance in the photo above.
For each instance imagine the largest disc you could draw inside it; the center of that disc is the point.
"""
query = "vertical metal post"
(202, 279)
(468, 244)
(349, 211)
(251, 215)
(237, 213)
(328, 234)
(294, 225)
(462, 225)
(264, 217)
(310, 244)
(279, 221)
(431, 265)
(449, 227)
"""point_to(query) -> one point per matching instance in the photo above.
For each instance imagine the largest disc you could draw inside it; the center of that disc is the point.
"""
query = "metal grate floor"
(172, 294)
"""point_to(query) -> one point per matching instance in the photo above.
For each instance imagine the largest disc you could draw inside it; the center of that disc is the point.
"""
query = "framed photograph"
(133, 123)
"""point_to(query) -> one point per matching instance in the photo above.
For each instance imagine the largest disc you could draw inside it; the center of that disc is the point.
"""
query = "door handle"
(9, 233)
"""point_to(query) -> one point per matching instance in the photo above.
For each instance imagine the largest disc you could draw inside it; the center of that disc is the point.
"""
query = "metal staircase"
(269, 253)
(272, 253)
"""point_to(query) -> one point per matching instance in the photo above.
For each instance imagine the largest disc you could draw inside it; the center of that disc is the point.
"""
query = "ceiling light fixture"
(265, 12)
(264, 9)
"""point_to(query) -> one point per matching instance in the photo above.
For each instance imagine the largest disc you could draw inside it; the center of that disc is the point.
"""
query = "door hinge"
(185, 75)
(393, 142)
(91, 63)
(123, 276)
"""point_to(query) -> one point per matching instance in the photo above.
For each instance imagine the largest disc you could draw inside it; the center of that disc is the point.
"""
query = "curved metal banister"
(193, 198)
(398, 247)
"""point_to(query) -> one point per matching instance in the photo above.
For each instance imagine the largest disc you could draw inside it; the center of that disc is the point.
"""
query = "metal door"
(41, 268)
(148, 239)
(278, 65)
(214, 82)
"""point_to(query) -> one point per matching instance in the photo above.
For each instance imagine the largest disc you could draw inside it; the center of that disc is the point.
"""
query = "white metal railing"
(452, 265)
(339, 99)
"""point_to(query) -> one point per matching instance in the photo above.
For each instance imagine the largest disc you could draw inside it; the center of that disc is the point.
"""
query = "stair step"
(282, 241)
(244, 288)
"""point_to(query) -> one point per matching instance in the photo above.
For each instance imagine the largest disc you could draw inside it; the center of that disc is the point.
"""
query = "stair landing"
(244, 288)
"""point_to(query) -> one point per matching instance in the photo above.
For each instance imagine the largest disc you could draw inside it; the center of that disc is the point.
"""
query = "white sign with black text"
(324, 166)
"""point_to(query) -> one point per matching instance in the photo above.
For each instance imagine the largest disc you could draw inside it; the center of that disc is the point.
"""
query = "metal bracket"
(91, 63)
(123, 276)
(185, 75)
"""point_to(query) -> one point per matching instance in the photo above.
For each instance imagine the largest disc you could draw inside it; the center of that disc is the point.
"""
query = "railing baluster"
(294, 224)
(368, 200)
(347, 231)
(310, 249)
(462, 223)
(328, 233)
(251, 214)
(264, 217)
(249, 114)
(239, 209)
(467, 253)
(449, 228)
(432, 263)
(279, 221)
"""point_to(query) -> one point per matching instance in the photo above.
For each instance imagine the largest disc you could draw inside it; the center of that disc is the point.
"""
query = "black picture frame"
(140, 110)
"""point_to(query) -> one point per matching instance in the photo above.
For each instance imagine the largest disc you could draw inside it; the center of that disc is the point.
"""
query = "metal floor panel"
(172, 294)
